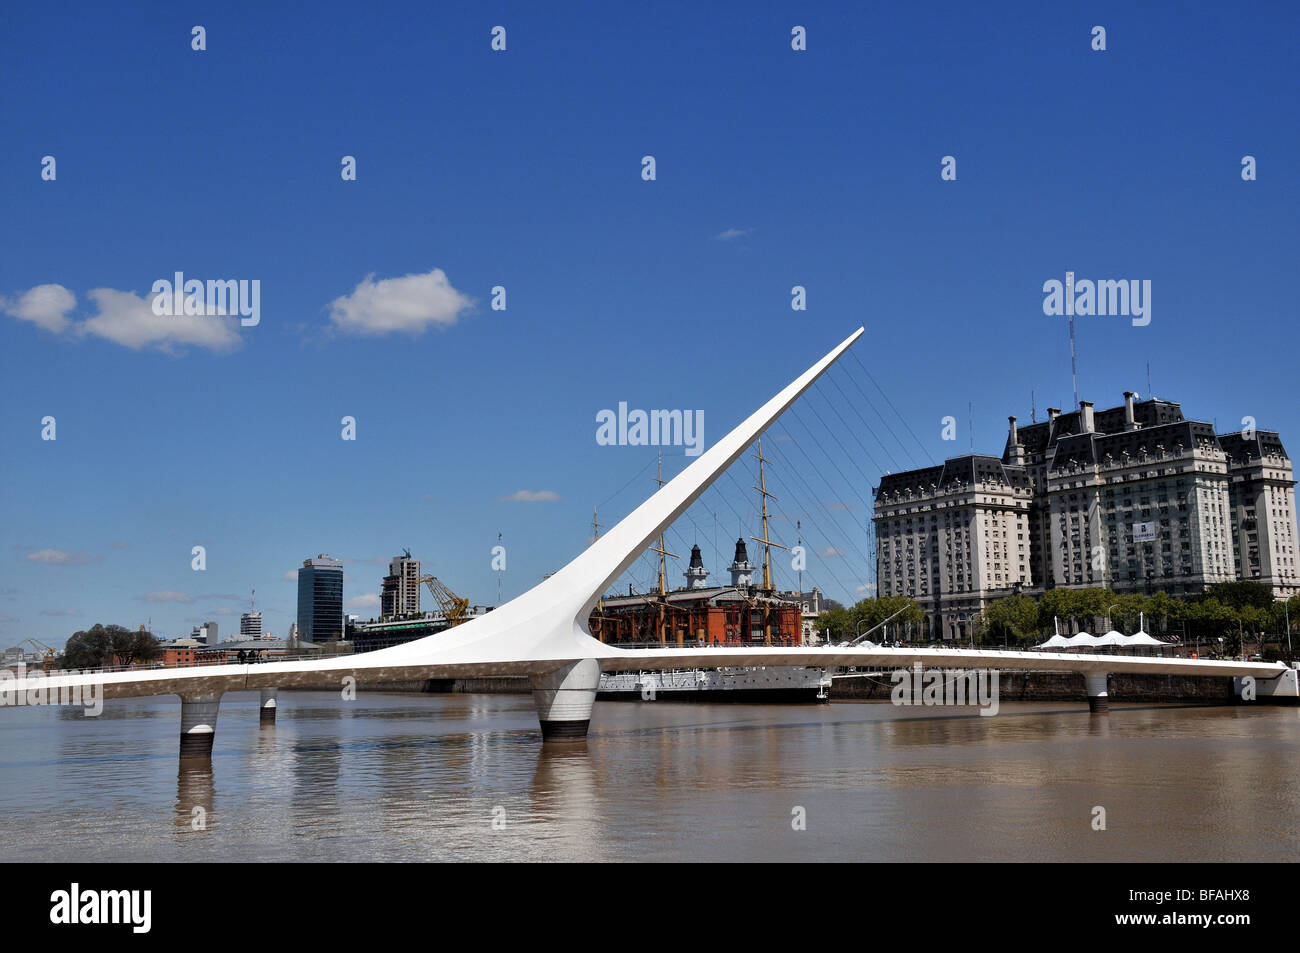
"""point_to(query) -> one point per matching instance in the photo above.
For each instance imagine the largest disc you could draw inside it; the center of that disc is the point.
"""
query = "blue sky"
(522, 169)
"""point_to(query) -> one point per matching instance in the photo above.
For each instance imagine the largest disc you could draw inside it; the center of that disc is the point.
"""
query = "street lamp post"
(1108, 608)
(1287, 612)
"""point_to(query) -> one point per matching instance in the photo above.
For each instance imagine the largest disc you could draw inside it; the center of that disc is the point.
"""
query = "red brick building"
(739, 614)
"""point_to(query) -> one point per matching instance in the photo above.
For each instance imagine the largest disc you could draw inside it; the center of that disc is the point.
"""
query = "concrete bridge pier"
(1098, 694)
(268, 706)
(198, 723)
(564, 698)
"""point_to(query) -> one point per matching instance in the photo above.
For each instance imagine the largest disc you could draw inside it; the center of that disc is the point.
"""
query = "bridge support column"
(198, 723)
(268, 706)
(1098, 695)
(564, 698)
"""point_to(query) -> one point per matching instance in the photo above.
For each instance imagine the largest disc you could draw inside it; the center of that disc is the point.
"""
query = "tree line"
(845, 625)
(105, 645)
(1231, 611)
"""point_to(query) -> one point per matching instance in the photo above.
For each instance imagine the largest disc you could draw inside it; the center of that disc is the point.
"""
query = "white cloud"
(409, 304)
(127, 319)
(731, 234)
(830, 551)
(46, 306)
(121, 544)
(531, 496)
(166, 595)
(369, 600)
(72, 612)
(291, 576)
(59, 557)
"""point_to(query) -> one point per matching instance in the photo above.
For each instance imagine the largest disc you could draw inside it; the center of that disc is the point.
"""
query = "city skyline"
(368, 575)
(667, 293)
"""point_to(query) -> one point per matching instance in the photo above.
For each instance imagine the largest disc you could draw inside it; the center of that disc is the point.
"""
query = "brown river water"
(465, 777)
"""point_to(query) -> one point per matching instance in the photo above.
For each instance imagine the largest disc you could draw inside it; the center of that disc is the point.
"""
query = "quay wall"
(495, 685)
(1066, 686)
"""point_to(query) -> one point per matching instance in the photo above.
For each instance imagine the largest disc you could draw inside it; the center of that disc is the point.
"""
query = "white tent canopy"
(1141, 638)
(1111, 638)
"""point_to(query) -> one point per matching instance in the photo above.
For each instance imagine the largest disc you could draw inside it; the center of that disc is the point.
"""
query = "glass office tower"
(320, 599)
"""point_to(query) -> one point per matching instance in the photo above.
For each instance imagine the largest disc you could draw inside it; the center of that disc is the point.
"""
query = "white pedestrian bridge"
(543, 633)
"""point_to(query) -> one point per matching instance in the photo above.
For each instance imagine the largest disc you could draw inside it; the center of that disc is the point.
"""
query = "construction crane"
(454, 609)
(50, 660)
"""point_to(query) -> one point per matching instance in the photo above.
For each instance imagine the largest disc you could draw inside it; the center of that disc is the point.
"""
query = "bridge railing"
(206, 660)
(696, 644)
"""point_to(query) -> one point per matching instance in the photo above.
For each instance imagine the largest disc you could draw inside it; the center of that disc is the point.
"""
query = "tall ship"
(745, 613)
(748, 685)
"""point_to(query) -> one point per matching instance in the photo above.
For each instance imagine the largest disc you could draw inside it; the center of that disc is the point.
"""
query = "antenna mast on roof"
(1074, 367)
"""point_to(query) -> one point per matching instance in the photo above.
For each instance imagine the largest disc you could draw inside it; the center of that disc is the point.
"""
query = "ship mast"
(767, 546)
(798, 528)
(663, 588)
(600, 603)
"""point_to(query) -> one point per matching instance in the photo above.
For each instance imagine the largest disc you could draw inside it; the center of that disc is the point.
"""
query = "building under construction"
(400, 619)
(743, 613)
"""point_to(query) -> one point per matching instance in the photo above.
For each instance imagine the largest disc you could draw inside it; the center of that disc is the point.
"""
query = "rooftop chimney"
(1130, 421)
(1052, 414)
(1015, 452)
(1086, 424)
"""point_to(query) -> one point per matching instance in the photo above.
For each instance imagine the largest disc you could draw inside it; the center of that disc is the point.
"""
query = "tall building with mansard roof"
(953, 537)
(1134, 498)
